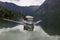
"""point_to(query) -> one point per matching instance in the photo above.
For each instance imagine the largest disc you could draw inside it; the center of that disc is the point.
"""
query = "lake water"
(18, 33)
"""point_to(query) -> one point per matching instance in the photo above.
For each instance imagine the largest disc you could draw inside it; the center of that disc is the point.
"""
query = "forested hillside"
(28, 10)
(8, 14)
(49, 13)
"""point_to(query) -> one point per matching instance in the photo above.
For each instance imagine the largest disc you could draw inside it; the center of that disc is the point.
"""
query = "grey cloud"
(14, 0)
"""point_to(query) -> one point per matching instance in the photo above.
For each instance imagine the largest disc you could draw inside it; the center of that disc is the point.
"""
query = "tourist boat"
(28, 23)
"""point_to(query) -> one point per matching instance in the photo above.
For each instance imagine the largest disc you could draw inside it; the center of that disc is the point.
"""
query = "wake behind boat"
(28, 22)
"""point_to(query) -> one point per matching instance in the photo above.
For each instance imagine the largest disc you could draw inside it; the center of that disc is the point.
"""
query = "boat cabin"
(28, 23)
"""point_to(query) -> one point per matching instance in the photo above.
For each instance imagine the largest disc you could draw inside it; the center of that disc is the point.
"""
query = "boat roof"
(29, 17)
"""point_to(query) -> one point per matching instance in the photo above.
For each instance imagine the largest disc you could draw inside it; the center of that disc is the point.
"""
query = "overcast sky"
(25, 2)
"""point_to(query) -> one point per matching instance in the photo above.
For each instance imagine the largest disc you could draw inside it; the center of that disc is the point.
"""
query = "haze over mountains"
(28, 10)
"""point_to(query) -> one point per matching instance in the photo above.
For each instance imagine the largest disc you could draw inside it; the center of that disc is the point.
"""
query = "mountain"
(9, 14)
(28, 10)
(49, 13)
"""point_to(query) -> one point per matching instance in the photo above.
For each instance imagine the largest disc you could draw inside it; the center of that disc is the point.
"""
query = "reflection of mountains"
(24, 9)
(49, 12)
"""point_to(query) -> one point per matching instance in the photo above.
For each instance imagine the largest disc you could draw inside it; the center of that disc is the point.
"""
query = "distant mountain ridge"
(49, 13)
(24, 9)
